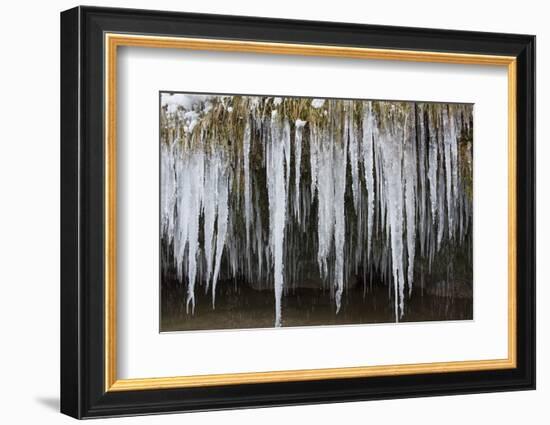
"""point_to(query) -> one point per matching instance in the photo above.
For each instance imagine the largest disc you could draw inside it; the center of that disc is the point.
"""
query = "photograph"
(263, 209)
(284, 211)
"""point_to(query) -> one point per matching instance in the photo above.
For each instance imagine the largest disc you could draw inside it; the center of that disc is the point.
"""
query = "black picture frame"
(83, 392)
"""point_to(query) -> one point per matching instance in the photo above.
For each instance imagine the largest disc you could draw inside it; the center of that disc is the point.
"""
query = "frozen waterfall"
(272, 191)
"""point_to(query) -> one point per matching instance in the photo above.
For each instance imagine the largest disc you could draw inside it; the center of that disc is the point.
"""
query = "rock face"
(277, 193)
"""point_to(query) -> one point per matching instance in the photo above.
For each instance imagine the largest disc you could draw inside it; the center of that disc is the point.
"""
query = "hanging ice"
(391, 140)
(196, 173)
(297, 165)
(433, 165)
(340, 163)
(210, 208)
(246, 166)
(368, 165)
(255, 189)
(313, 159)
(409, 175)
(325, 196)
(276, 188)
(353, 156)
(223, 214)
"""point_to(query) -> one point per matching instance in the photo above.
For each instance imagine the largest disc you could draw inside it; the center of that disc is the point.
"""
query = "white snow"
(317, 103)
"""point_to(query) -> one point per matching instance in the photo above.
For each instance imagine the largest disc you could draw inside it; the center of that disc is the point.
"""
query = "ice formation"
(274, 190)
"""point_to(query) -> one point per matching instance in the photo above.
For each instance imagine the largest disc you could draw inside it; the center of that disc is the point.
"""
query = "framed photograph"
(261, 212)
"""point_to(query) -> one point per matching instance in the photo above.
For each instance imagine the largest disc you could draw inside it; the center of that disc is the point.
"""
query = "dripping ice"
(380, 182)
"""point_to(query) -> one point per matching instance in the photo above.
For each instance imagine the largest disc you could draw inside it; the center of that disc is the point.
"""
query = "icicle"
(409, 174)
(313, 159)
(168, 189)
(368, 164)
(275, 172)
(441, 207)
(286, 146)
(223, 215)
(184, 200)
(422, 176)
(353, 157)
(454, 167)
(297, 164)
(196, 175)
(448, 171)
(392, 155)
(210, 207)
(325, 195)
(433, 164)
(340, 163)
(246, 166)
(229, 209)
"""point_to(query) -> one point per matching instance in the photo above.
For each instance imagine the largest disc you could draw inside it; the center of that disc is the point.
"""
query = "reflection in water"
(241, 307)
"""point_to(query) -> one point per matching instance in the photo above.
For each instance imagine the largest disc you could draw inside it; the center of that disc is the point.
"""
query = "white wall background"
(29, 211)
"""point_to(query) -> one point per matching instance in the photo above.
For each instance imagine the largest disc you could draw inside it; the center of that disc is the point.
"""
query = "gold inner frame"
(113, 41)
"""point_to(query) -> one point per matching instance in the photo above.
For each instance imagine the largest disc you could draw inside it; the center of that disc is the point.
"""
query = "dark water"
(241, 307)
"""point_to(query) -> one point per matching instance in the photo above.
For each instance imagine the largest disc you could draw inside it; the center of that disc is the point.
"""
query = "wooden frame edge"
(137, 384)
